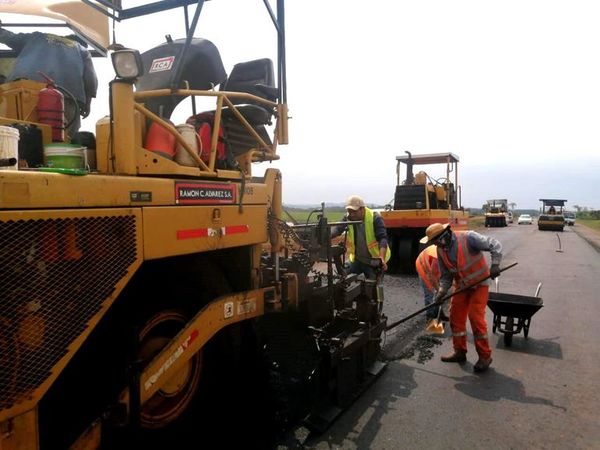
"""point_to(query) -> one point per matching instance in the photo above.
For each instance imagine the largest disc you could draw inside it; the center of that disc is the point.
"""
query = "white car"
(525, 219)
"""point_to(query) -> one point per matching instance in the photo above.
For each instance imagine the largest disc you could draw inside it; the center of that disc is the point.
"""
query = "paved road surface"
(542, 392)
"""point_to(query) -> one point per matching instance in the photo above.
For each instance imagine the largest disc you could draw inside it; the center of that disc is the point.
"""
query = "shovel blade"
(435, 327)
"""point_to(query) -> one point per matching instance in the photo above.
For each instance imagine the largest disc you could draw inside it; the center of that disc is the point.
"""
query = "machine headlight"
(127, 64)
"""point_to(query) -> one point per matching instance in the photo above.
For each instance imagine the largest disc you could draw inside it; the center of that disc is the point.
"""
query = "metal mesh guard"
(55, 275)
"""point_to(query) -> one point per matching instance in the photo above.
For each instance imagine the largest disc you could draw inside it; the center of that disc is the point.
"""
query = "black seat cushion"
(254, 114)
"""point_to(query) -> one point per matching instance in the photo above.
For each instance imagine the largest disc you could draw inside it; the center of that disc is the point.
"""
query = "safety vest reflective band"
(372, 243)
(460, 333)
(469, 268)
(480, 336)
(428, 268)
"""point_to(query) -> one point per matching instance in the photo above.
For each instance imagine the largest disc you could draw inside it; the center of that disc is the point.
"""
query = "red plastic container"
(159, 140)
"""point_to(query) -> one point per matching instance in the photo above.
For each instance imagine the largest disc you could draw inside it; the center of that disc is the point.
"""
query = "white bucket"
(182, 157)
(9, 146)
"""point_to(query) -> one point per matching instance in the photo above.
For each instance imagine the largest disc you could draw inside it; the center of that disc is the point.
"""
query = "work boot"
(482, 365)
(457, 356)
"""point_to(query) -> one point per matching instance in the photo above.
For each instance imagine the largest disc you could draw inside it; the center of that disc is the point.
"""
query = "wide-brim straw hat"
(433, 231)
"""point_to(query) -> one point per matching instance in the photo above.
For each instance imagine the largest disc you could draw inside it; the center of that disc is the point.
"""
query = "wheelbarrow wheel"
(508, 335)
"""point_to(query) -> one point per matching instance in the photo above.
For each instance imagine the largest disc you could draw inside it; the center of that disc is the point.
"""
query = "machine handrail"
(265, 150)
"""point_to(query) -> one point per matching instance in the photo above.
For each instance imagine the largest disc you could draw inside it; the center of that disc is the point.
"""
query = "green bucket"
(65, 156)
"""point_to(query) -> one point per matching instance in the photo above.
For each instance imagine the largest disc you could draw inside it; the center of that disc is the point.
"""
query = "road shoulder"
(588, 234)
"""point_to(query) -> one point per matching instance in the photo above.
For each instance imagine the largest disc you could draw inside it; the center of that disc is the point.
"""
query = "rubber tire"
(405, 254)
(211, 284)
(508, 335)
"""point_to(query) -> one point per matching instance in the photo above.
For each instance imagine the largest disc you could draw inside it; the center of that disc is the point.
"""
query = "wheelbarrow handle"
(444, 298)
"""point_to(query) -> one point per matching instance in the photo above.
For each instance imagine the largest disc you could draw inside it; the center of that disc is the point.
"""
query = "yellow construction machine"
(421, 199)
(551, 216)
(496, 213)
(138, 307)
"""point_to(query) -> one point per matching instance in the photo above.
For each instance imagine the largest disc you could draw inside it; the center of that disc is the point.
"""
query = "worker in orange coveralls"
(429, 276)
(461, 260)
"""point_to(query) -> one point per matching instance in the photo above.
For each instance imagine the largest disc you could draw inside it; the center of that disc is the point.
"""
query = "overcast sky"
(511, 87)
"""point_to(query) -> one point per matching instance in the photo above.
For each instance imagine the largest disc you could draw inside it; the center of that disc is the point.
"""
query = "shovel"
(435, 326)
(444, 298)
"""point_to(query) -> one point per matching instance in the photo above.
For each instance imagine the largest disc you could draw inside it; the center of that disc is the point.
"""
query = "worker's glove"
(494, 271)
(384, 266)
(438, 298)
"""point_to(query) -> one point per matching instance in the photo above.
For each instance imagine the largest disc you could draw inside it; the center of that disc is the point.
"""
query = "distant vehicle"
(509, 217)
(525, 219)
(551, 217)
(569, 217)
(496, 213)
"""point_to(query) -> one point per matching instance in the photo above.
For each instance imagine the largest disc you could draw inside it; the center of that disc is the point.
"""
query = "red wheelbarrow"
(512, 313)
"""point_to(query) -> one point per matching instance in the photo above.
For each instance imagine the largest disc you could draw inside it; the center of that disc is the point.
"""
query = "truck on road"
(570, 217)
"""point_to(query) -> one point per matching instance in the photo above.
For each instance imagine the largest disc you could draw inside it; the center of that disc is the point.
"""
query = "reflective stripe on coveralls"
(372, 243)
(428, 268)
(470, 303)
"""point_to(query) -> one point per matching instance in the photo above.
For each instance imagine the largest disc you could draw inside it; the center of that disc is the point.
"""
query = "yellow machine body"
(551, 215)
(70, 244)
(122, 286)
(419, 201)
(496, 213)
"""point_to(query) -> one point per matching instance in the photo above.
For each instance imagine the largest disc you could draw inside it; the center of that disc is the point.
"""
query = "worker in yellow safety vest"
(365, 240)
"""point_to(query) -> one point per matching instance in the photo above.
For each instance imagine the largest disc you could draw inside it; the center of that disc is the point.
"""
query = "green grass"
(594, 224)
(302, 215)
(476, 222)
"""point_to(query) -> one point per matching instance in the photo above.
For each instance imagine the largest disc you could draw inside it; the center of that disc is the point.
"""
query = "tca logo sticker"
(162, 64)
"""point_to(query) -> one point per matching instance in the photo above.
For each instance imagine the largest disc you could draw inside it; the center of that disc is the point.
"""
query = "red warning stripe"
(236, 229)
(206, 232)
(192, 234)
